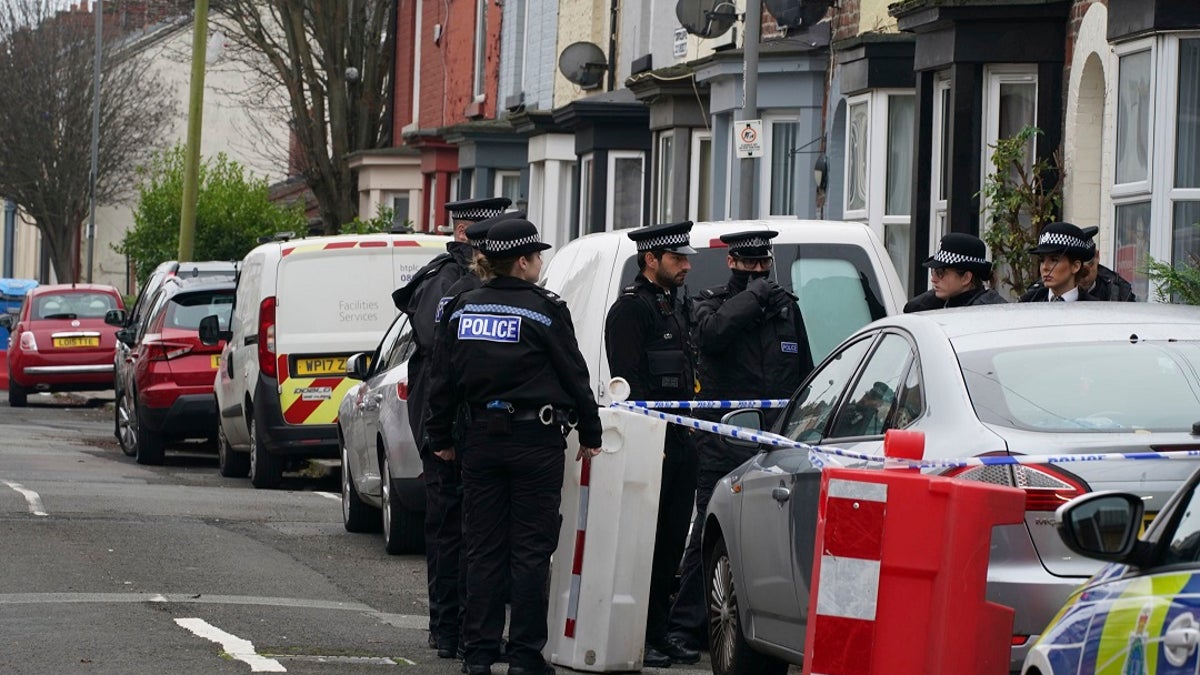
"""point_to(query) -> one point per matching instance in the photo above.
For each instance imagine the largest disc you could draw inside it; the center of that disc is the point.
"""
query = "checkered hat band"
(952, 259)
(476, 213)
(502, 245)
(752, 242)
(476, 243)
(667, 240)
(1056, 239)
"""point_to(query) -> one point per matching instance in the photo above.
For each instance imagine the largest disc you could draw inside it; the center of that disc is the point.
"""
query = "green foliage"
(232, 211)
(1020, 203)
(1180, 283)
(382, 222)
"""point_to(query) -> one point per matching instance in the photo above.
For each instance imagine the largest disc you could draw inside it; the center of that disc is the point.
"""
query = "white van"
(840, 271)
(302, 308)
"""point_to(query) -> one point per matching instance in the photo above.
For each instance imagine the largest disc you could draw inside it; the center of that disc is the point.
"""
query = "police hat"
(750, 244)
(511, 238)
(673, 237)
(1066, 239)
(477, 232)
(961, 251)
(476, 210)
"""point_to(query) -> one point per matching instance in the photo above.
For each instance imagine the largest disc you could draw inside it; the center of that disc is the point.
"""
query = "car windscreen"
(836, 285)
(1118, 386)
(185, 310)
(73, 305)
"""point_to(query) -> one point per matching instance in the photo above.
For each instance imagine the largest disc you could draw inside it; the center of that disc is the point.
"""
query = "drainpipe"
(612, 44)
(10, 238)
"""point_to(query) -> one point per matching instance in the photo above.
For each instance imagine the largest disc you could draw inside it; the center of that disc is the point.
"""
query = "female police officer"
(513, 362)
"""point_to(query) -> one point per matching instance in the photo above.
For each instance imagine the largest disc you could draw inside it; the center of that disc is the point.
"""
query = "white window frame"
(994, 76)
(938, 204)
(431, 226)
(523, 49)
(698, 136)
(862, 214)
(479, 81)
(664, 178)
(587, 179)
(498, 182)
(455, 186)
(611, 193)
(1136, 191)
(767, 161)
(389, 200)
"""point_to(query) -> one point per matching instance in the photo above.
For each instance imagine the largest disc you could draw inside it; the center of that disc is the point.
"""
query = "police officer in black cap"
(752, 344)
(647, 339)
(514, 363)
(419, 299)
(960, 273)
(1099, 281)
(1062, 250)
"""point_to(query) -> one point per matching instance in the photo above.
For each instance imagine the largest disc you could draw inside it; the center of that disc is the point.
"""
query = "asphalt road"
(112, 567)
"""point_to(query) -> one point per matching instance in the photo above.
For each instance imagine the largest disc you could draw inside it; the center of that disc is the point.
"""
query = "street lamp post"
(98, 10)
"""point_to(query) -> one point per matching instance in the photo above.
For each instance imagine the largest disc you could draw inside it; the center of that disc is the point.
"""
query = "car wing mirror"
(749, 418)
(210, 331)
(115, 317)
(125, 335)
(1101, 525)
(358, 366)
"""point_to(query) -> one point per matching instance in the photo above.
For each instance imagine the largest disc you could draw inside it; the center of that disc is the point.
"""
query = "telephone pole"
(748, 166)
(98, 9)
(191, 167)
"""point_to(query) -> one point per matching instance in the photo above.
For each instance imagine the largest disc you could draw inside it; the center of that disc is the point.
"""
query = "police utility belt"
(500, 414)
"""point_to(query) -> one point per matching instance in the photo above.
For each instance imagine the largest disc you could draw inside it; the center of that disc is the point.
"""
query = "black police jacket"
(647, 339)
(751, 343)
(509, 341)
(1111, 287)
(420, 299)
(1040, 294)
(976, 296)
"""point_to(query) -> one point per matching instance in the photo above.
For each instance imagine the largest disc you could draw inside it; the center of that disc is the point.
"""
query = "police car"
(1138, 615)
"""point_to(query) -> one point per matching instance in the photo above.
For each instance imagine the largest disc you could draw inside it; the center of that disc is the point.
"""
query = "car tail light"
(266, 338)
(28, 342)
(1019, 640)
(402, 390)
(165, 351)
(1046, 487)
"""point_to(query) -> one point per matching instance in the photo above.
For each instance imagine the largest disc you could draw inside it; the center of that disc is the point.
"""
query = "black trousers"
(512, 489)
(675, 495)
(444, 553)
(688, 622)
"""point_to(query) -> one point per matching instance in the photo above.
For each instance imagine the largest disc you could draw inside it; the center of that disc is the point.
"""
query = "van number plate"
(334, 365)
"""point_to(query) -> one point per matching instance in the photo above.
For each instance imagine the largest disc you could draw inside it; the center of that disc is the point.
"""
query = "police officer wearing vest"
(514, 363)
(752, 344)
(419, 299)
(647, 339)
(960, 273)
(1062, 250)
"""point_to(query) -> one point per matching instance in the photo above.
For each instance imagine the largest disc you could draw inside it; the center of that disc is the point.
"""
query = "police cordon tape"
(713, 405)
(822, 456)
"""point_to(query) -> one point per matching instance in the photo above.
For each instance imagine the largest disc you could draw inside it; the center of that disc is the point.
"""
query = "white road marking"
(330, 495)
(242, 650)
(34, 499)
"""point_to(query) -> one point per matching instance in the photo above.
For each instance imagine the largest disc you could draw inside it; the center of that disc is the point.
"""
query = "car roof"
(73, 288)
(199, 285)
(705, 235)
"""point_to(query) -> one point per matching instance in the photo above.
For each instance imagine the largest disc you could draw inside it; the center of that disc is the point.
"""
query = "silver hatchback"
(1027, 379)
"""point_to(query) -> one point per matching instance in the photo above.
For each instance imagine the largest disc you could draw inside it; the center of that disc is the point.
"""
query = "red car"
(166, 388)
(60, 342)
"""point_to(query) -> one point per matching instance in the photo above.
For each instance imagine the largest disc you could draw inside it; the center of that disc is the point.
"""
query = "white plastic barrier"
(600, 575)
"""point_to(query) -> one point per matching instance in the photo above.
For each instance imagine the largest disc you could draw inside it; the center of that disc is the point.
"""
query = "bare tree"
(334, 58)
(46, 75)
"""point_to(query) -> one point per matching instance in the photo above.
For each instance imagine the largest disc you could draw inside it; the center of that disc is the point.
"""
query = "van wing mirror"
(115, 317)
(749, 418)
(1101, 525)
(358, 366)
(210, 331)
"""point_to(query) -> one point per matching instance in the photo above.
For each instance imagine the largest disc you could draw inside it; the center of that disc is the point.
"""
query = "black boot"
(678, 652)
(652, 658)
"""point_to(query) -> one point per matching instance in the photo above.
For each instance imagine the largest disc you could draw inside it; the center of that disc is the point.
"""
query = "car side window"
(156, 303)
(813, 406)
(1184, 539)
(397, 346)
(870, 407)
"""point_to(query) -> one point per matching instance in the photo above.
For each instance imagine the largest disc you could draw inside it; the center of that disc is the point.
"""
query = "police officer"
(1062, 250)
(419, 299)
(752, 344)
(647, 340)
(513, 362)
(1097, 280)
(958, 271)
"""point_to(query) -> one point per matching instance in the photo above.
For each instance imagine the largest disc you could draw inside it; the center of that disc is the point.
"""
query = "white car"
(381, 468)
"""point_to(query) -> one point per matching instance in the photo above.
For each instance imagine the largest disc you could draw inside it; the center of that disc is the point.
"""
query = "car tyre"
(18, 396)
(149, 448)
(731, 654)
(126, 420)
(266, 470)
(357, 515)
(230, 462)
(403, 529)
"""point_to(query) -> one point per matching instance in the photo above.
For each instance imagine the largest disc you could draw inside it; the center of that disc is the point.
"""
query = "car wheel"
(357, 515)
(403, 530)
(266, 470)
(731, 654)
(148, 447)
(18, 396)
(230, 462)
(126, 424)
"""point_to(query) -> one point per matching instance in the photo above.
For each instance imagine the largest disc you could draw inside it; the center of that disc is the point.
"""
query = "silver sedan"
(1026, 379)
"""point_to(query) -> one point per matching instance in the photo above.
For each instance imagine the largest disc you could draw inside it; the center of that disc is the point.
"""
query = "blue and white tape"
(822, 456)
(712, 405)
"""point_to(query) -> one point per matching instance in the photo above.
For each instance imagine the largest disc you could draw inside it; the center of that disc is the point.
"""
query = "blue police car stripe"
(489, 327)
(505, 309)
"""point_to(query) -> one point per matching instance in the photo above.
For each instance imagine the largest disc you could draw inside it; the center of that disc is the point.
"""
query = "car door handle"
(371, 403)
(781, 494)
(1182, 641)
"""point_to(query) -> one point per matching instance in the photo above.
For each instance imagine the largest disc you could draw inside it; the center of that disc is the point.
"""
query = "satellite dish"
(584, 64)
(706, 18)
(797, 13)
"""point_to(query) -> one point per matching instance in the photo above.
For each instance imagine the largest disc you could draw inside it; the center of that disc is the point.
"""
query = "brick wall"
(405, 73)
(845, 19)
(448, 66)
